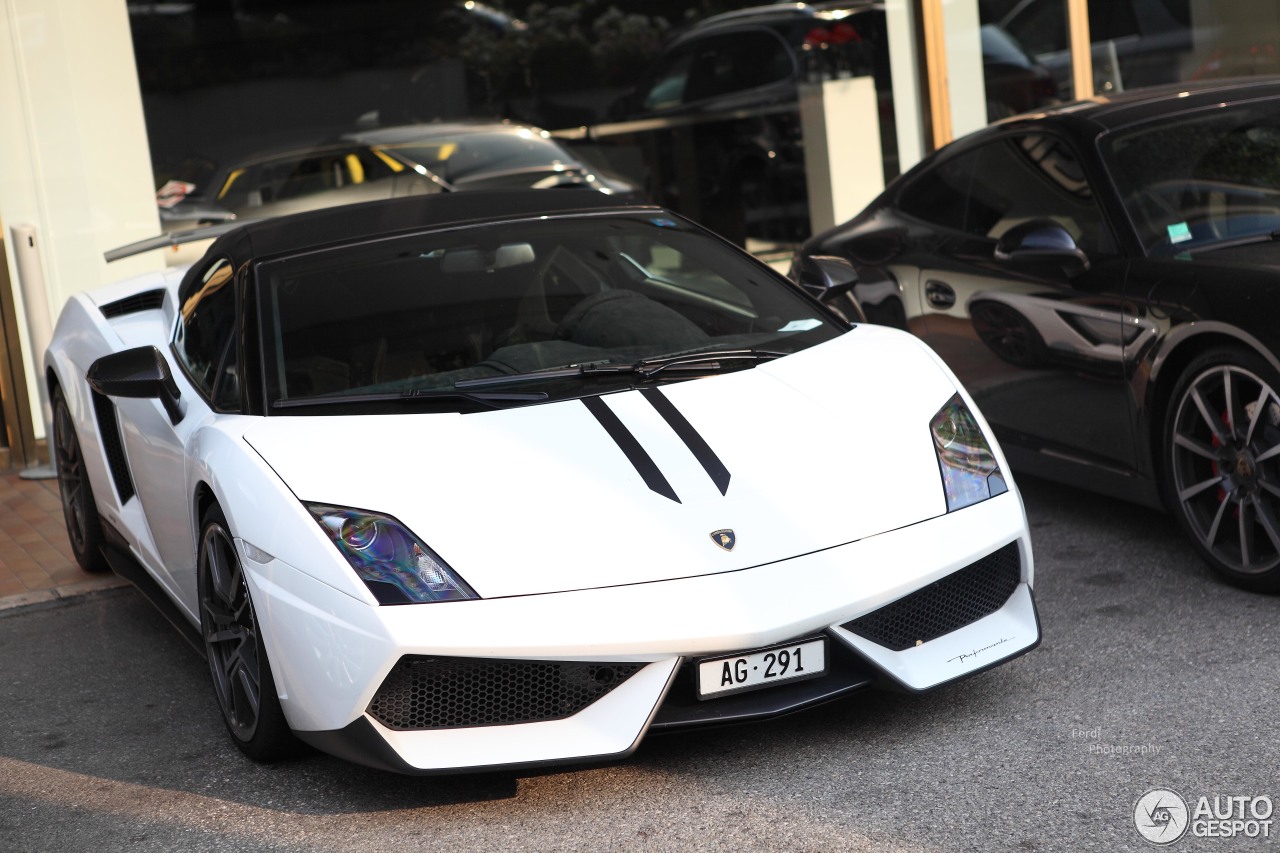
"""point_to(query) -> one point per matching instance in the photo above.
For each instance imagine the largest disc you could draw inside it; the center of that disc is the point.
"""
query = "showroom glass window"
(719, 66)
(206, 327)
(988, 189)
(1135, 43)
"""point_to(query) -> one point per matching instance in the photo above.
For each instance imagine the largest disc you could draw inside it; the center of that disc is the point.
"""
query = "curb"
(45, 598)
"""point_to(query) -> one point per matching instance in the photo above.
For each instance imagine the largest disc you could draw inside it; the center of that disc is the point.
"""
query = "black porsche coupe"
(1104, 277)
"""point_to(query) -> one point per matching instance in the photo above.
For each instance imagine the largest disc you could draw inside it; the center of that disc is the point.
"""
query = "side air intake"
(146, 301)
(109, 432)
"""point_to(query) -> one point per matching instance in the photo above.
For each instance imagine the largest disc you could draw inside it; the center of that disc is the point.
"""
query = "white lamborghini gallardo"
(466, 481)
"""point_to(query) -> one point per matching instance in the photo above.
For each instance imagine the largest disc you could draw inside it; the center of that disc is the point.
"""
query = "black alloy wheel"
(79, 509)
(1222, 454)
(242, 679)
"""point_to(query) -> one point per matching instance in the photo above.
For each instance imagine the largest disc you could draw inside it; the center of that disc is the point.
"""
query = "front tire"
(242, 681)
(79, 508)
(1222, 464)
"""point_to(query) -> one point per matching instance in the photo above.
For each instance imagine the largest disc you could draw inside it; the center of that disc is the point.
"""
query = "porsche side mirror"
(1042, 242)
(827, 278)
(141, 372)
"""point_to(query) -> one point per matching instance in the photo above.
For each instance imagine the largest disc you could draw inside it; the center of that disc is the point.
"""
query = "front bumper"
(331, 654)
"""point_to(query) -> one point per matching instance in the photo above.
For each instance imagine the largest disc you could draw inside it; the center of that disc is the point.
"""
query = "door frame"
(19, 450)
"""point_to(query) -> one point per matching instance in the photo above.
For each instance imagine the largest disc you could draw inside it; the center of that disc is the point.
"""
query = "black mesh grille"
(133, 304)
(444, 693)
(977, 590)
(109, 434)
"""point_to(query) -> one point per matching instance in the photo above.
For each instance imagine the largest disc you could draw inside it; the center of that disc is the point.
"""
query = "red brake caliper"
(1222, 493)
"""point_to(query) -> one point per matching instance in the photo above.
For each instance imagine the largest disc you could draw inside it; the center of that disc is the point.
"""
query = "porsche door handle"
(939, 294)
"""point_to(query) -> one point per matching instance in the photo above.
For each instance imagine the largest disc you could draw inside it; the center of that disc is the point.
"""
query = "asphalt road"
(1151, 675)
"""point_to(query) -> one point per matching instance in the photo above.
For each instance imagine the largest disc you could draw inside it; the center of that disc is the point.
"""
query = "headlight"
(969, 470)
(396, 566)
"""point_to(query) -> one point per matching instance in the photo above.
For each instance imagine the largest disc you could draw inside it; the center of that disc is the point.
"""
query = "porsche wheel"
(79, 510)
(242, 680)
(1222, 455)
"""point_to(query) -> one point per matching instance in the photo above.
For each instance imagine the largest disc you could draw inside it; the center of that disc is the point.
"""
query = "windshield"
(441, 310)
(471, 155)
(1200, 178)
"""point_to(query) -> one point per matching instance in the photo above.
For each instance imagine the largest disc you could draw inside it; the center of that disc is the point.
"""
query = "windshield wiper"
(645, 368)
(703, 360)
(493, 399)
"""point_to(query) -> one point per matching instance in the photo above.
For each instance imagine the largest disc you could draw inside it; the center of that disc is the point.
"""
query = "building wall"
(74, 148)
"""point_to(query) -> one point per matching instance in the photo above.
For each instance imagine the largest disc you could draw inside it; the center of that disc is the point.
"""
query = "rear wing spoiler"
(165, 241)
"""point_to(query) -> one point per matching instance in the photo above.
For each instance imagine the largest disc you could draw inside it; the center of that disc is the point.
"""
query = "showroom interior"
(103, 103)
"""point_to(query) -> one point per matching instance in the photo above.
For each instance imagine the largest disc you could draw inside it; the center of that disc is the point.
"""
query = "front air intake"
(979, 589)
(448, 692)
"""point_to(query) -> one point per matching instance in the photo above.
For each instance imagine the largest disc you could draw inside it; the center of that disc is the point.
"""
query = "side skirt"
(124, 565)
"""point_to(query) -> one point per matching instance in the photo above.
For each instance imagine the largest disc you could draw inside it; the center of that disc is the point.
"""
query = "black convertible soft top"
(356, 222)
(333, 226)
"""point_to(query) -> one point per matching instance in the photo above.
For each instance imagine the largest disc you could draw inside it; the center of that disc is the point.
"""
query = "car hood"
(823, 447)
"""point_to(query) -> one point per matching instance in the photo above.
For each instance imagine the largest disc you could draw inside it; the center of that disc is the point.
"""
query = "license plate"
(763, 668)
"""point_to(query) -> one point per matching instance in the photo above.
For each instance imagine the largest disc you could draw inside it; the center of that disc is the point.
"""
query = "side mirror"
(141, 372)
(827, 278)
(1042, 242)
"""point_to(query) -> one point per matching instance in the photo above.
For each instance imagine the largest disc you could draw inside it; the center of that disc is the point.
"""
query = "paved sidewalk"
(36, 564)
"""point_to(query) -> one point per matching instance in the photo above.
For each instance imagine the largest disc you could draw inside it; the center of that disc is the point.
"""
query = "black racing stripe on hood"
(630, 447)
(692, 439)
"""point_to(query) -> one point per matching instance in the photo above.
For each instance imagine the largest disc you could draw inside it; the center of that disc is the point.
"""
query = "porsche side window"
(206, 325)
(1197, 179)
(1037, 176)
(941, 196)
(986, 191)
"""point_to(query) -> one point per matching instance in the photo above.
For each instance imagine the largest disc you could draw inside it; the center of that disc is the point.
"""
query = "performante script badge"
(725, 539)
